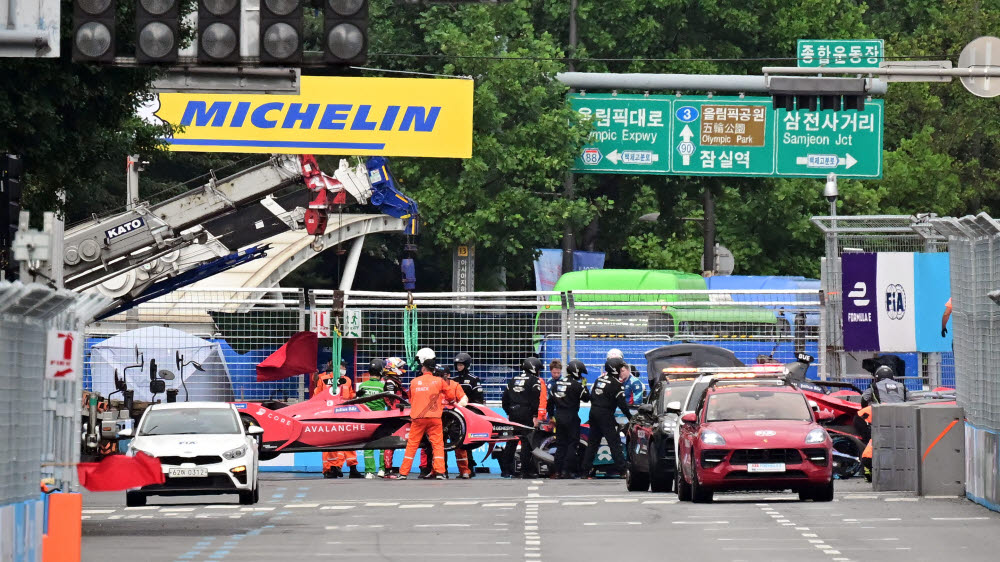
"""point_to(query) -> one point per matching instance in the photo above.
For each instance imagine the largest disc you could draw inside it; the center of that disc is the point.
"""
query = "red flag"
(296, 357)
(120, 472)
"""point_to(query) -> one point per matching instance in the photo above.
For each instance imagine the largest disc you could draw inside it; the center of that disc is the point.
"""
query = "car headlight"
(710, 437)
(235, 453)
(817, 435)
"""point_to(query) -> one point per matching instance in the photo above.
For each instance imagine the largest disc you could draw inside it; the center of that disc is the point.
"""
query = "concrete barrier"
(982, 465)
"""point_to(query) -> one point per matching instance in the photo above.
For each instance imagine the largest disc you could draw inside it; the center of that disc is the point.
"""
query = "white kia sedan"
(203, 447)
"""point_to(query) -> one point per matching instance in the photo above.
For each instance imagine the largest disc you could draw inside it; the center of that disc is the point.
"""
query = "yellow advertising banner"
(331, 115)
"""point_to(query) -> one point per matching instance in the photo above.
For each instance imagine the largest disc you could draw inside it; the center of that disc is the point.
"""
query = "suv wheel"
(682, 487)
(248, 497)
(699, 493)
(135, 499)
(821, 493)
(636, 481)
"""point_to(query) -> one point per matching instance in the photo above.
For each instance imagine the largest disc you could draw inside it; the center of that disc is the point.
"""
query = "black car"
(651, 461)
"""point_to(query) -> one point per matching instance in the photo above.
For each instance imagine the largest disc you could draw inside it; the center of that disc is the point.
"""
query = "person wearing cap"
(345, 389)
(606, 396)
(525, 402)
(564, 406)
(884, 389)
(371, 384)
(473, 388)
(427, 394)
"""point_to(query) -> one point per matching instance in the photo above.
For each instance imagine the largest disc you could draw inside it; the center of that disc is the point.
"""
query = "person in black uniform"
(564, 405)
(606, 395)
(884, 389)
(472, 387)
(524, 402)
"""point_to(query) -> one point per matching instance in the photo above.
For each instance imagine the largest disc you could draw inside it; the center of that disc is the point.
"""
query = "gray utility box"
(918, 447)
(941, 434)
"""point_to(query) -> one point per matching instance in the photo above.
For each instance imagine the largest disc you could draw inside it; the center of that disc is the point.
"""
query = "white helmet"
(614, 353)
(426, 357)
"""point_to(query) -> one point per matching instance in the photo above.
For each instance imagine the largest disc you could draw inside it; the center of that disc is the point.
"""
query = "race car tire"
(636, 481)
(850, 445)
(682, 487)
(699, 493)
(135, 499)
(453, 429)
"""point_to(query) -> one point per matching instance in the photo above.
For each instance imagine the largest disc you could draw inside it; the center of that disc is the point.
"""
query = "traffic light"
(346, 31)
(156, 28)
(93, 30)
(11, 169)
(219, 31)
(280, 31)
(810, 94)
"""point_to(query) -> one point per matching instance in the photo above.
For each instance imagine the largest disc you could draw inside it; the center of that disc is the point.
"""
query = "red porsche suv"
(753, 436)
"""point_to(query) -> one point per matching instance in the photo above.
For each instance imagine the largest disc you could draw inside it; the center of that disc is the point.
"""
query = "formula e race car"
(326, 422)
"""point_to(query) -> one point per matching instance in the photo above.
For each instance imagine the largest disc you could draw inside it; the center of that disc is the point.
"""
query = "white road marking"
(207, 507)
(296, 505)
(659, 501)
(532, 542)
(337, 507)
(809, 535)
(802, 528)
(148, 507)
(579, 503)
(531, 488)
(96, 511)
(534, 495)
(861, 497)
(416, 506)
(614, 523)
(235, 516)
(115, 517)
(499, 504)
(445, 525)
(537, 481)
(901, 499)
(622, 500)
(177, 509)
(256, 509)
(872, 519)
(833, 552)
(817, 541)
(462, 503)
(701, 522)
(381, 504)
(959, 518)
(531, 527)
(533, 501)
(943, 497)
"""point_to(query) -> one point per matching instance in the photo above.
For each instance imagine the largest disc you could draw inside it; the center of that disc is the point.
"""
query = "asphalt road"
(306, 518)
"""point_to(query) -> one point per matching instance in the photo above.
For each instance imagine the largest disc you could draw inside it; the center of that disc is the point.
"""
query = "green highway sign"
(867, 53)
(726, 136)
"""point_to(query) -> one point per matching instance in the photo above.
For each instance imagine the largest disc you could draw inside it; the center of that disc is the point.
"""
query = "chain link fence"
(209, 341)
(875, 233)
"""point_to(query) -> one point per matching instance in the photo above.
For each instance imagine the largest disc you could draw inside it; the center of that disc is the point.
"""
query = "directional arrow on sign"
(826, 161)
(614, 156)
(686, 134)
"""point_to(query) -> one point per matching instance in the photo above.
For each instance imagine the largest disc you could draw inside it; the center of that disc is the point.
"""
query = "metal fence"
(39, 421)
(974, 243)
(209, 340)
(229, 331)
(875, 233)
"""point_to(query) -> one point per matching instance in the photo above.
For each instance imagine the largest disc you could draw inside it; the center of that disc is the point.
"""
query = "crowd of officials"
(528, 399)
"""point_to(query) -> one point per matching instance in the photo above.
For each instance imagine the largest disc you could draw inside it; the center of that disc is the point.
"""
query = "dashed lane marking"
(701, 522)
(301, 505)
(579, 503)
(338, 507)
(462, 503)
(177, 509)
(499, 504)
(901, 499)
(959, 518)
(622, 500)
(97, 511)
(150, 507)
(216, 507)
(416, 506)
(381, 504)
(659, 501)
(444, 525)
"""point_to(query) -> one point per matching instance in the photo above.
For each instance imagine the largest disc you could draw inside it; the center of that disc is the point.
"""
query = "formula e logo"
(117, 231)
(260, 412)
(895, 302)
(859, 293)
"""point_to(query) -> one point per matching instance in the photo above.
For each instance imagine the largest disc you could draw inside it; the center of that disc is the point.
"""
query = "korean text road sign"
(855, 53)
(62, 355)
(726, 136)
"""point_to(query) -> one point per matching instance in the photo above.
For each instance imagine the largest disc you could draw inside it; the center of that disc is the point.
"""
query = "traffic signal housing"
(218, 31)
(810, 94)
(93, 30)
(11, 169)
(156, 29)
(280, 31)
(345, 37)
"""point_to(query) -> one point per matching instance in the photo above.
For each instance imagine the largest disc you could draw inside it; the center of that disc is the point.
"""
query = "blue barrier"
(21, 527)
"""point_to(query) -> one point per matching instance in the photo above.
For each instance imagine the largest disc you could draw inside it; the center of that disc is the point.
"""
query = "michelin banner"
(894, 302)
(331, 115)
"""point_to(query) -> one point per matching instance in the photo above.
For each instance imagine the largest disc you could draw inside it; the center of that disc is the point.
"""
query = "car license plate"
(766, 467)
(187, 472)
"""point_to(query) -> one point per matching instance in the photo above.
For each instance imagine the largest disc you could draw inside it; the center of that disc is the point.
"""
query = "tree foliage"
(75, 124)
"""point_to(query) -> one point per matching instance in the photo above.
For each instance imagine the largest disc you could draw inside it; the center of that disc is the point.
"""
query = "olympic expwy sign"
(331, 115)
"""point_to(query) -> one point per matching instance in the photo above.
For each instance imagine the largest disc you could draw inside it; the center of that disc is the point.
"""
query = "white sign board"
(352, 323)
(62, 355)
(321, 322)
(29, 28)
